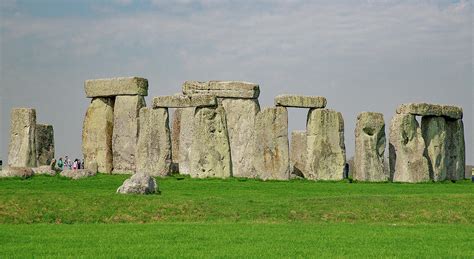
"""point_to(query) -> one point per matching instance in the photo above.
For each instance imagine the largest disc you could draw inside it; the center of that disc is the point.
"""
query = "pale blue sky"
(362, 55)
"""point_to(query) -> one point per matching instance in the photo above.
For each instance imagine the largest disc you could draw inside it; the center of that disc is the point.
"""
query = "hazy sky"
(362, 55)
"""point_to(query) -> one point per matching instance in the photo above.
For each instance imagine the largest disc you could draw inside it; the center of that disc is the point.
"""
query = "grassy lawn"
(54, 216)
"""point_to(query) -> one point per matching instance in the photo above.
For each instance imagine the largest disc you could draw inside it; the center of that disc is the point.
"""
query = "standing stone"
(455, 150)
(186, 134)
(210, 155)
(434, 134)
(97, 134)
(370, 142)
(125, 133)
(44, 144)
(407, 162)
(22, 149)
(272, 151)
(154, 142)
(326, 149)
(298, 150)
(175, 131)
(240, 117)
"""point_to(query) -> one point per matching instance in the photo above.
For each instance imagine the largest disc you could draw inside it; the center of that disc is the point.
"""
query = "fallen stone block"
(109, 87)
(125, 133)
(300, 101)
(370, 148)
(154, 143)
(229, 89)
(240, 116)
(77, 174)
(406, 150)
(434, 134)
(22, 148)
(184, 101)
(271, 159)
(298, 149)
(326, 152)
(210, 154)
(139, 184)
(44, 170)
(455, 150)
(97, 133)
(23, 172)
(44, 144)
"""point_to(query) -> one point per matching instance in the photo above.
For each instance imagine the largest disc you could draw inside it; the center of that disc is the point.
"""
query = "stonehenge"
(433, 151)
(219, 130)
(370, 143)
(110, 129)
(31, 144)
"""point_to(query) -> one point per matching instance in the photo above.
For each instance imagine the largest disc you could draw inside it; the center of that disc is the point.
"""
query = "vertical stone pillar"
(271, 157)
(44, 144)
(326, 149)
(175, 132)
(407, 162)
(154, 142)
(186, 135)
(433, 129)
(370, 142)
(22, 148)
(240, 116)
(97, 134)
(210, 155)
(125, 133)
(455, 150)
(298, 149)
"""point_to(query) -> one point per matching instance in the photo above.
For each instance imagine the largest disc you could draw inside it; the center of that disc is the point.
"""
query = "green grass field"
(58, 217)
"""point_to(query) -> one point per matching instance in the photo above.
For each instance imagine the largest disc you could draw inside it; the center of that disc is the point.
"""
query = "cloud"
(360, 54)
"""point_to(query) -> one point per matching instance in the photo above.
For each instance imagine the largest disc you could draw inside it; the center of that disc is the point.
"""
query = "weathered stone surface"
(77, 174)
(45, 169)
(298, 149)
(125, 133)
(271, 158)
(175, 131)
(469, 172)
(370, 142)
(210, 155)
(231, 89)
(420, 109)
(240, 117)
(407, 162)
(97, 133)
(154, 142)
(44, 144)
(326, 149)
(116, 86)
(453, 112)
(300, 101)
(23, 172)
(186, 134)
(138, 184)
(22, 148)
(184, 101)
(434, 134)
(455, 150)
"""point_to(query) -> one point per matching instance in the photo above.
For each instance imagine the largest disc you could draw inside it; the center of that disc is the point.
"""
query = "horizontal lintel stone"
(184, 101)
(116, 86)
(300, 101)
(224, 89)
(426, 109)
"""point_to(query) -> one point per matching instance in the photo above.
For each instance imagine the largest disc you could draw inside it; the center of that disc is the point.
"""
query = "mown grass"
(54, 216)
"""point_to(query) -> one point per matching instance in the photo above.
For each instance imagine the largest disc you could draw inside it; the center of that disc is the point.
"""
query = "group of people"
(68, 164)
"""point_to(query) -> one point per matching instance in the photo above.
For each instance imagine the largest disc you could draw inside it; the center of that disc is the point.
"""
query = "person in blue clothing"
(60, 163)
